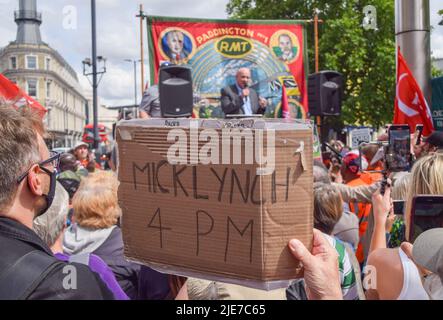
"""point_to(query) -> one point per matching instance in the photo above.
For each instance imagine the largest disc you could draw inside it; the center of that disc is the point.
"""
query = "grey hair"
(50, 225)
(321, 175)
(18, 149)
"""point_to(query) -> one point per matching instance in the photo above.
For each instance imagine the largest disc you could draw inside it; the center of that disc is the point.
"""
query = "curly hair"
(95, 203)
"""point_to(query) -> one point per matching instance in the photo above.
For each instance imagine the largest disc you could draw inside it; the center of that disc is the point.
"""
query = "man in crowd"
(28, 269)
(427, 252)
(240, 99)
(431, 144)
(70, 173)
(150, 104)
(351, 172)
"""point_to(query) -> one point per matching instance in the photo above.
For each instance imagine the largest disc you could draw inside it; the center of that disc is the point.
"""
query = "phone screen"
(399, 151)
(427, 213)
(418, 133)
(398, 207)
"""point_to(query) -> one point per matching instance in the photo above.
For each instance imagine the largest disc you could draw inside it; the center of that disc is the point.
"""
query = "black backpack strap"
(23, 277)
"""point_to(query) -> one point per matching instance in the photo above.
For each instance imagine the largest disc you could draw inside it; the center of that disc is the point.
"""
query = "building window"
(48, 89)
(32, 87)
(13, 62)
(48, 63)
(31, 62)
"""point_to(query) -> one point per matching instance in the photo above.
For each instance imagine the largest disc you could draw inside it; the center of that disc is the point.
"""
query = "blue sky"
(118, 34)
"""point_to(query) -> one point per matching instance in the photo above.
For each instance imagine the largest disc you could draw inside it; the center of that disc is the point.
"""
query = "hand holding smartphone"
(398, 157)
(426, 213)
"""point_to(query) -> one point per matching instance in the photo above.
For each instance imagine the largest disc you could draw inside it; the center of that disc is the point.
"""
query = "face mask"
(433, 287)
(50, 196)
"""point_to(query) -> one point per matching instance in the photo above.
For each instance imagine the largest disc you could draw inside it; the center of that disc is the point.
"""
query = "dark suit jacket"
(232, 103)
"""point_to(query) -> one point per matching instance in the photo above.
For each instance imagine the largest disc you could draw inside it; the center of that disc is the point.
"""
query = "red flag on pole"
(410, 107)
(284, 104)
(13, 94)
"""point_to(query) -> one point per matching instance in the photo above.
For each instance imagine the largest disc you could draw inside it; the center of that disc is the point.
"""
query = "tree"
(366, 58)
(436, 72)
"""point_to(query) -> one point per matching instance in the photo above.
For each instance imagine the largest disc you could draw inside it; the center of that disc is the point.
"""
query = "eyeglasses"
(53, 160)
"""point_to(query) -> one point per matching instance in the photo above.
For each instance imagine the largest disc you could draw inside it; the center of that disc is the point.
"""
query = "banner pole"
(319, 119)
(141, 15)
(316, 40)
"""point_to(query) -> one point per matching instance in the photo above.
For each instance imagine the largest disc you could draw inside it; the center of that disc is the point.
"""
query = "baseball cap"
(435, 139)
(352, 161)
(79, 144)
(428, 250)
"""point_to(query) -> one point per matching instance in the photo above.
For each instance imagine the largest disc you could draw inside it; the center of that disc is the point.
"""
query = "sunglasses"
(53, 160)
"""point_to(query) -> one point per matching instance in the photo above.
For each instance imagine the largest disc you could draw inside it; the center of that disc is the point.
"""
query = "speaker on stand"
(176, 92)
(325, 94)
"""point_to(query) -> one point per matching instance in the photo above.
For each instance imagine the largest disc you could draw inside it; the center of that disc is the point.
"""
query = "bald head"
(243, 77)
(68, 162)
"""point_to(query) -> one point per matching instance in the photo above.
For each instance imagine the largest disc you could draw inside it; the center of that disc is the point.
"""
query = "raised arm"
(362, 194)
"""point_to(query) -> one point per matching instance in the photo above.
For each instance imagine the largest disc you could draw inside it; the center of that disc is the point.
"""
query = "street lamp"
(92, 62)
(87, 64)
(135, 84)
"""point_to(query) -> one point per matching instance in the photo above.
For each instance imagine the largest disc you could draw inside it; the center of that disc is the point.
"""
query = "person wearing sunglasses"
(28, 268)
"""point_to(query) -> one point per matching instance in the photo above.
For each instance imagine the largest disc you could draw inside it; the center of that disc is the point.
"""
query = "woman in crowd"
(96, 213)
(397, 277)
(328, 209)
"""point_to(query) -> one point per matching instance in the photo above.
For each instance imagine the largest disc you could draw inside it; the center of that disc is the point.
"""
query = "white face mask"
(433, 287)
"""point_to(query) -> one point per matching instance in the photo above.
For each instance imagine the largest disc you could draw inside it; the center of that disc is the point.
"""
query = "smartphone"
(398, 157)
(426, 213)
(418, 132)
(399, 206)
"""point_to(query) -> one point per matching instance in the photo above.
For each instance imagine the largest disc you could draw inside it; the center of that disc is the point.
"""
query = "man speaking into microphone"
(239, 98)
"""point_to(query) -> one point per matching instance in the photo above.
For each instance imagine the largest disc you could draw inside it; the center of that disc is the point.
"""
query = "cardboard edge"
(255, 284)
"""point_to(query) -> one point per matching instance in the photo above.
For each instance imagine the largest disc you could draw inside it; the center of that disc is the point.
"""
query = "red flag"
(284, 104)
(13, 94)
(410, 107)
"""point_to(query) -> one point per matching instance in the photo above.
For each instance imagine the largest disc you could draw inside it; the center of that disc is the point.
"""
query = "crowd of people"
(60, 212)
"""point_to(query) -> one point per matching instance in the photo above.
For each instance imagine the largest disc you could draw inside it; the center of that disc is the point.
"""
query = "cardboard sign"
(229, 221)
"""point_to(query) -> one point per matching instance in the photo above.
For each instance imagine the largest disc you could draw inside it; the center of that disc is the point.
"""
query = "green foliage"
(366, 58)
(436, 72)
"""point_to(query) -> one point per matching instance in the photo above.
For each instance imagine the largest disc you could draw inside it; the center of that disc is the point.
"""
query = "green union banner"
(275, 51)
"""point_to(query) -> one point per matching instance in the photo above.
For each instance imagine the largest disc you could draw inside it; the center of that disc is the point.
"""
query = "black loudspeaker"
(325, 93)
(175, 89)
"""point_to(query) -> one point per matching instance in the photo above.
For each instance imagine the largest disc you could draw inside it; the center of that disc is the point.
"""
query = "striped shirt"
(347, 275)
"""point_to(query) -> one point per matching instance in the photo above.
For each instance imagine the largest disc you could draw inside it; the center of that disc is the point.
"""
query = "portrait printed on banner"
(285, 46)
(176, 45)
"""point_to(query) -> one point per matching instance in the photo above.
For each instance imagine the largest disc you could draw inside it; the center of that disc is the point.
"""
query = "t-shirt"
(347, 276)
(347, 228)
(151, 102)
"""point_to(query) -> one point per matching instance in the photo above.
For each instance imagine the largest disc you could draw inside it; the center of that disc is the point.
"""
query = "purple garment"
(153, 285)
(97, 265)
